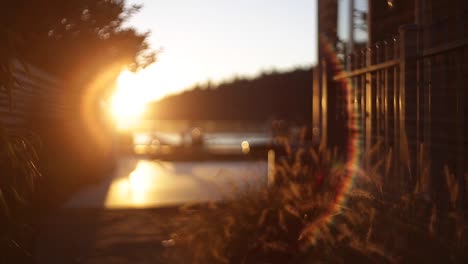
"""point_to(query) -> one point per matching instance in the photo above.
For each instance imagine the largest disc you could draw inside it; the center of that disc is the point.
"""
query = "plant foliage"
(19, 174)
(303, 219)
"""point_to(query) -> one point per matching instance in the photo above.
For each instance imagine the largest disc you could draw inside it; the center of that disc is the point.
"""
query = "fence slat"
(38, 95)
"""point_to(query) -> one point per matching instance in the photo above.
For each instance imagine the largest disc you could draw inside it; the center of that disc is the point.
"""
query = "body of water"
(145, 183)
(213, 135)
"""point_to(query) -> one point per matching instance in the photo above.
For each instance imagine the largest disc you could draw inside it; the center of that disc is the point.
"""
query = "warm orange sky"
(217, 39)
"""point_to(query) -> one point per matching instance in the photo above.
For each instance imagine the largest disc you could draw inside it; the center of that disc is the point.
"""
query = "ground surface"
(105, 236)
(125, 218)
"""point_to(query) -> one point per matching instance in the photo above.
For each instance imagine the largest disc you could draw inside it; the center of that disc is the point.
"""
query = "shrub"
(312, 216)
(19, 166)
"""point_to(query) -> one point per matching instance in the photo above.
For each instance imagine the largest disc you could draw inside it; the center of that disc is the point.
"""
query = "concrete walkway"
(125, 218)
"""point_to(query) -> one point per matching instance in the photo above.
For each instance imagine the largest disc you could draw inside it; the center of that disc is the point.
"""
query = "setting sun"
(130, 98)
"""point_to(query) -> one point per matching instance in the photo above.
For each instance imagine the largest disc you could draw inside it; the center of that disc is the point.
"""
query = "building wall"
(444, 21)
(385, 18)
(439, 10)
(327, 21)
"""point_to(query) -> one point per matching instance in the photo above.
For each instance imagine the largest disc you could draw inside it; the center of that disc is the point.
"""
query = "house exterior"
(406, 90)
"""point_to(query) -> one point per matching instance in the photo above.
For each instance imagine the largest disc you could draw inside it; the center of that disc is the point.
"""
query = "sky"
(219, 39)
(343, 19)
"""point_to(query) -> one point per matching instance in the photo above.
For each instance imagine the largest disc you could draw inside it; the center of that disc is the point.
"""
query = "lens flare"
(354, 141)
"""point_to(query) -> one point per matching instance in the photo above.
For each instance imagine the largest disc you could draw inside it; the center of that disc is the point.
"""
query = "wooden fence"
(49, 109)
(35, 95)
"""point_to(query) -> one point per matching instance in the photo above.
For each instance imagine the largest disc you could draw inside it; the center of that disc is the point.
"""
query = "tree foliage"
(72, 39)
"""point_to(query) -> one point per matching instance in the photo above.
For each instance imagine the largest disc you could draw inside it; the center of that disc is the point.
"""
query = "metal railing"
(409, 95)
(374, 78)
(442, 108)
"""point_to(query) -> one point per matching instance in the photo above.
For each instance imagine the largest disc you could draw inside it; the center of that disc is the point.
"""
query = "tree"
(74, 39)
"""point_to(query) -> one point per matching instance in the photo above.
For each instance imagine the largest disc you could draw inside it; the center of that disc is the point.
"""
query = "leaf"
(276, 245)
(263, 216)
(295, 190)
(405, 156)
(282, 221)
(4, 204)
(388, 162)
(17, 196)
(292, 211)
(344, 233)
(452, 185)
(374, 150)
(25, 66)
(311, 229)
(433, 220)
(314, 155)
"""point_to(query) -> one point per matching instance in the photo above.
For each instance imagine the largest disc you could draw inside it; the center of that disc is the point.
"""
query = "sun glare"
(129, 100)
(135, 90)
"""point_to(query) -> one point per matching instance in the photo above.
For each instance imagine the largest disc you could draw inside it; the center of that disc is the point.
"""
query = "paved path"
(124, 218)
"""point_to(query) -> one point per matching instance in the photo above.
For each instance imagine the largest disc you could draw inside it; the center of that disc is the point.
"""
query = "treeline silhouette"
(271, 95)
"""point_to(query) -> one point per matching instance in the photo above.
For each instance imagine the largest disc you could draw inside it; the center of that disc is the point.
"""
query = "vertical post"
(362, 90)
(418, 11)
(369, 102)
(419, 15)
(316, 105)
(420, 93)
(426, 39)
(316, 80)
(427, 135)
(385, 103)
(370, 8)
(379, 95)
(350, 46)
(461, 128)
(271, 168)
(396, 130)
(324, 104)
(327, 24)
(407, 101)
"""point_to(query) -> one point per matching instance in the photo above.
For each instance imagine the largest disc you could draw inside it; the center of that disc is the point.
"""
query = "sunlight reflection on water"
(155, 183)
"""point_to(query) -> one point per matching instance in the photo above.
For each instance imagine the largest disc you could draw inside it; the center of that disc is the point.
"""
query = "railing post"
(396, 130)
(319, 104)
(324, 104)
(271, 174)
(461, 129)
(408, 104)
(316, 105)
(368, 117)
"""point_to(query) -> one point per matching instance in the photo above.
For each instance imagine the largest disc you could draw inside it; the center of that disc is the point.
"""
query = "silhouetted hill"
(285, 95)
